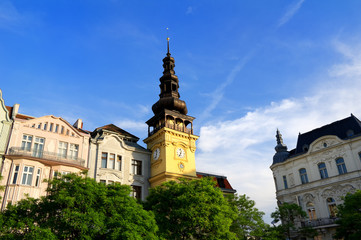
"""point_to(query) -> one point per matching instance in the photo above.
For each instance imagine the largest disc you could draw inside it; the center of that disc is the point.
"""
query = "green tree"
(289, 214)
(248, 223)
(349, 214)
(79, 208)
(191, 209)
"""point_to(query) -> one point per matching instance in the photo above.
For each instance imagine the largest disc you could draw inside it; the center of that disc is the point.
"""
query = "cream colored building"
(324, 167)
(40, 148)
(5, 126)
(116, 157)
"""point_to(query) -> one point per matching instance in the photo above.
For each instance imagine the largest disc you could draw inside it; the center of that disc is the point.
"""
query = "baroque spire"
(281, 147)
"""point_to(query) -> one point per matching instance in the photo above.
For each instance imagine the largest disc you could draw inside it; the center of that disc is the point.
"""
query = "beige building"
(40, 148)
(115, 156)
(5, 126)
(324, 167)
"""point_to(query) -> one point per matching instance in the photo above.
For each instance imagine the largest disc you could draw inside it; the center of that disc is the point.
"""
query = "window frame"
(285, 184)
(341, 166)
(322, 169)
(104, 160)
(137, 166)
(136, 192)
(303, 175)
(16, 174)
(27, 176)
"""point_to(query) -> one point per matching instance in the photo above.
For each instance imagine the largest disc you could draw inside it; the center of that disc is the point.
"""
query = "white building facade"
(324, 167)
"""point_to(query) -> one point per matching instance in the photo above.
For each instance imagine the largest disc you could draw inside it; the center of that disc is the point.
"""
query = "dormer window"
(305, 148)
(350, 133)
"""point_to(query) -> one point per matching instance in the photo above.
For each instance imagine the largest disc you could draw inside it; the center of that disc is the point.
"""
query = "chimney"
(15, 110)
(78, 124)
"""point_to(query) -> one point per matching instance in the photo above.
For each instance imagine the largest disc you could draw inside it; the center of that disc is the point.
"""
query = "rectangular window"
(51, 127)
(341, 167)
(103, 181)
(104, 160)
(39, 125)
(137, 167)
(112, 161)
(38, 147)
(303, 176)
(285, 182)
(323, 171)
(137, 192)
(110, 182)
(26, 142)
(62, 149)
(62, 130)
(37, 181)
(45, 125)
(119, 163)
(73, 151)
(67, 132)
(27, 175)
(16, 173)
(56, 128)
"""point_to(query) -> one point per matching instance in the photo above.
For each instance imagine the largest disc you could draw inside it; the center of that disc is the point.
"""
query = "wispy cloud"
(189, 10)
(217, 95)
(10, 18)
(291, 11)
(243, 148)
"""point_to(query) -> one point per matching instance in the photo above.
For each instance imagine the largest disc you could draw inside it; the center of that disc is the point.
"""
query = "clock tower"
(170, 132)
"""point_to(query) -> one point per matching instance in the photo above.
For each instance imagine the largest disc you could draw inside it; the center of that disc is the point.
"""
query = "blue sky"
(245, 68)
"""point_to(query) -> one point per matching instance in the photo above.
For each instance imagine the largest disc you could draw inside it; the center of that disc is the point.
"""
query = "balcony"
(50, 158)
(319, 222)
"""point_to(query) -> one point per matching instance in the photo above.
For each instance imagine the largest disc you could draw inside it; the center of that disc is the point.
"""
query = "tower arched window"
(323, 170)
(341, 166)
(303, 175)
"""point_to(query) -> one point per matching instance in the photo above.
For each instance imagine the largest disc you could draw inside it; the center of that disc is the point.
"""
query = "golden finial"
(168, 41)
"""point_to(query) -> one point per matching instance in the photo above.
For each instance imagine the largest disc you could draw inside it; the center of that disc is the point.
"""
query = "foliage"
(349, 214)
(289, 214)
(248, 223)
(191, 209)
(79, 208)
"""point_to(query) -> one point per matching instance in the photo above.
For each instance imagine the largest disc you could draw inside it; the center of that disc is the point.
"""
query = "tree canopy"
(191, 209)
(78, 208)
(349, 214)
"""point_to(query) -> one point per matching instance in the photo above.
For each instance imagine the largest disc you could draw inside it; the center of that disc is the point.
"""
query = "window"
(73, 151)
(137, 167)
(16, 173)
(341, 166)
(62, 130)
(27, 175)
(62, 149)
(39, 125)
(37, 181)
(137, 192)
(103, 181)
(67, 132)
(56, 128)
(104, 160)
(303, 176)
(332, 207)
(110, 182)
(38, 147)
(26, 142)
(112, 160)
(311, 211)
(51, 127)
(119, 163)
(285, 182)
(323, 170)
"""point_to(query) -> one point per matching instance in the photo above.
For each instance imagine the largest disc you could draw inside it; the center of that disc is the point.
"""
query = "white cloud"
(131, 125)
(292, 10)
(243, 148)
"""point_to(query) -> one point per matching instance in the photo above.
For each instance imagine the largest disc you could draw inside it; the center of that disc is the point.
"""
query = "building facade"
(324, 167)
(5, 126)
(39, 149)
(116, 157)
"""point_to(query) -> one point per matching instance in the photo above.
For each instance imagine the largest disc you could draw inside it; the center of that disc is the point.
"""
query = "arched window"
(331, 207)
(311, 211)
(323, 170)
(341, 167)
(303, 175)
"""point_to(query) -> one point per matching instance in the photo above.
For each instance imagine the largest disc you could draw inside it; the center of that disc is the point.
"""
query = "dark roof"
(222, 181)
(342, 129)
(112, 127)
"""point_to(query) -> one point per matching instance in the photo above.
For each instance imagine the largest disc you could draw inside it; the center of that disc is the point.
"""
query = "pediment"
(324, 142)
(4, 113)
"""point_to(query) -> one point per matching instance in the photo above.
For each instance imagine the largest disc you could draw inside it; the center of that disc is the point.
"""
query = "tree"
(248, 223)
(191, 209)
(289, 214)
(349, 214)
(79, 208)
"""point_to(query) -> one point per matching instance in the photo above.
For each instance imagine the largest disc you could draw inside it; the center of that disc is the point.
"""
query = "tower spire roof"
(281, 147)
(169, 84)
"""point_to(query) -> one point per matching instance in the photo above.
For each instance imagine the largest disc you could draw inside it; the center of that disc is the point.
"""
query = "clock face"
(180, 152)
(181, 165)
(156, 154)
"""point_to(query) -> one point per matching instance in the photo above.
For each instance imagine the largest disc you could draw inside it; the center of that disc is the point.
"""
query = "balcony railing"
(172, 126)
(319, 222)
(52, 156)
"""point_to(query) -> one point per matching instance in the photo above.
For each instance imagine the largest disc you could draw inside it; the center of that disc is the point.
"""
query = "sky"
(245, 69)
